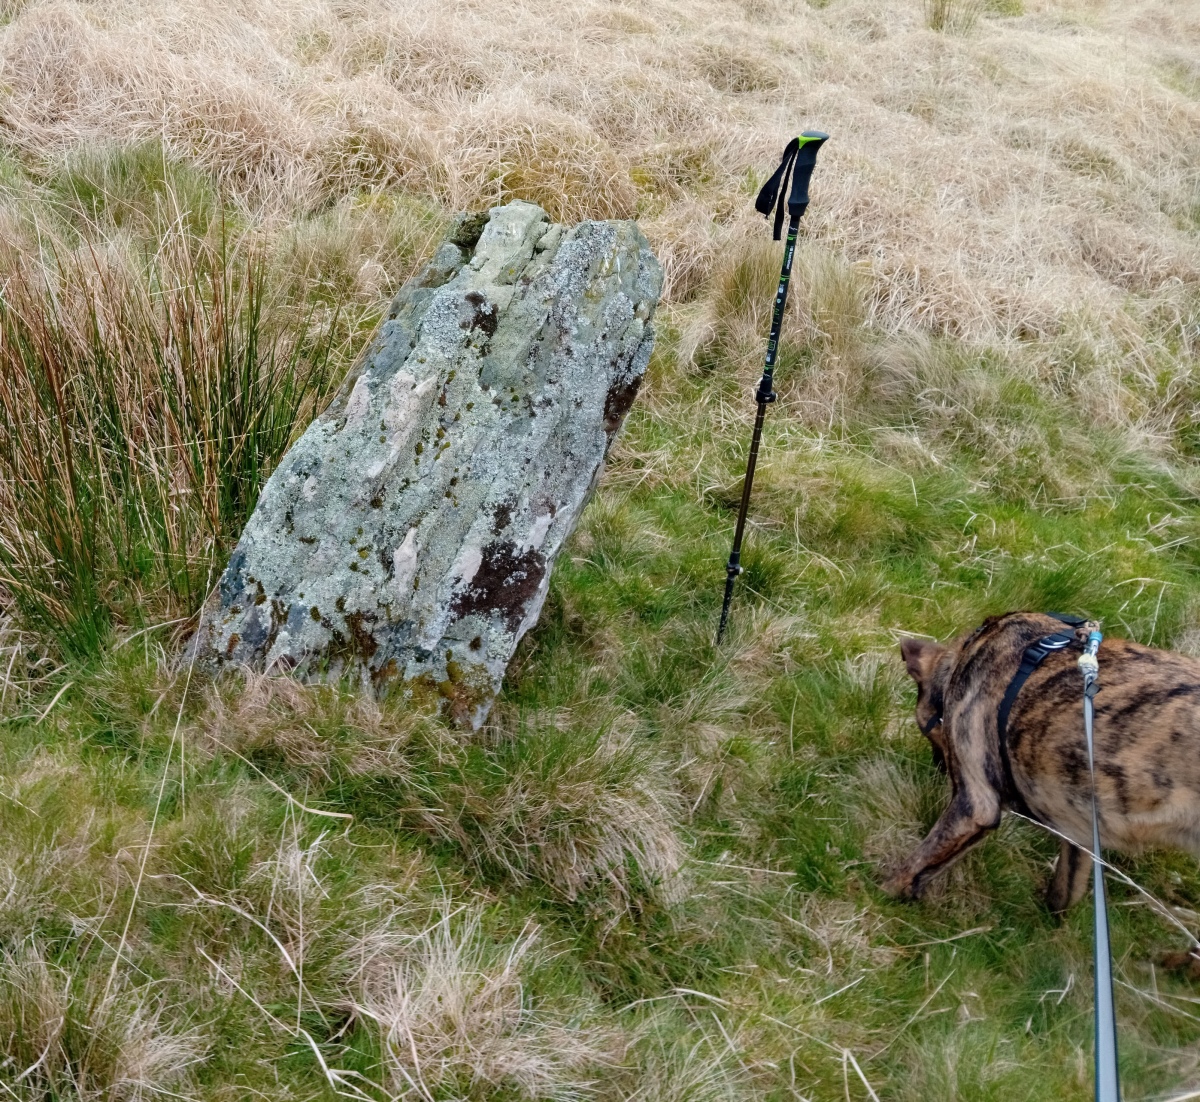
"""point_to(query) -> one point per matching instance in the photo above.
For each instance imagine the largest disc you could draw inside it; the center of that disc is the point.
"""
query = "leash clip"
(1089, 664)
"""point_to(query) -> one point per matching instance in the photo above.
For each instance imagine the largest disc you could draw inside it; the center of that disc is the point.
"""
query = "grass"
(140, 413)
(953, 16)
(653, 876)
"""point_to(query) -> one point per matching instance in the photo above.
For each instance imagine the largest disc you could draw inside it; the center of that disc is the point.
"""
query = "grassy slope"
(654, 876)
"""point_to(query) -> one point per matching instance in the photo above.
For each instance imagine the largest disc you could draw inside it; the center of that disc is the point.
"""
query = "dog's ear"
(920, 657)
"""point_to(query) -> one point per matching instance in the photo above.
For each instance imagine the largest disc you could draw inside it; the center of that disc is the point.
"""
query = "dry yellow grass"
(996, 182)
(453, 1014)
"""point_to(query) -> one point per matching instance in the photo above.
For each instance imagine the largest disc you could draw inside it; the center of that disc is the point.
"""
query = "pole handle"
(799, 160)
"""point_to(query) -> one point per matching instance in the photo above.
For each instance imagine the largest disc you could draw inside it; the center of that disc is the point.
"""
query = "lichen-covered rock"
(407, 538)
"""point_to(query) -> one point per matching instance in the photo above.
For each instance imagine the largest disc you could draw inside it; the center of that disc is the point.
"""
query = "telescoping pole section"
(1108, 1083)
(799, 159)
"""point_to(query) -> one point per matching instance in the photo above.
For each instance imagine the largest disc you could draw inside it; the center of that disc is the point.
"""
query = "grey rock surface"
(407, 537)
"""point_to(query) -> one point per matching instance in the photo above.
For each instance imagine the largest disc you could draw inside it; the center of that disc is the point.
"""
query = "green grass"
(138, 188)
(655, 875)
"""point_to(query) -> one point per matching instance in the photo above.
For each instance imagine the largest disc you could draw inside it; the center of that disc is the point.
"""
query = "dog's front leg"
(973, 811)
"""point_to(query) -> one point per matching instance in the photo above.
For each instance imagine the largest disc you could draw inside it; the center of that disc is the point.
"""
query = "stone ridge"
(407, 538)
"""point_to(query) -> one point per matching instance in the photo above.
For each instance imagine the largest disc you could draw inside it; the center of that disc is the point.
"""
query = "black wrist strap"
(775, 190)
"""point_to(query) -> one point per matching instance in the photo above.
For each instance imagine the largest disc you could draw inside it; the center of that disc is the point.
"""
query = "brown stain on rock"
(618, 402)
(484, 315)
(365, 644)
(386, 675)
(504, 584)
(459, 695)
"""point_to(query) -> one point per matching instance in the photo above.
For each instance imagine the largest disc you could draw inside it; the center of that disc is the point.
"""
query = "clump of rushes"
(142, 405)
(952, 16)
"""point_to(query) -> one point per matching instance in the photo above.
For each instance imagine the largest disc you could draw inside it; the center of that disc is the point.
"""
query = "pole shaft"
(1108, 1086)
(764, 396)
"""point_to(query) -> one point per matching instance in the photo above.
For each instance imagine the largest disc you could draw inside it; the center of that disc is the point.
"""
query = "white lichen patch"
(359, 402)
(404, 565)
(537, 532)
(466, 566)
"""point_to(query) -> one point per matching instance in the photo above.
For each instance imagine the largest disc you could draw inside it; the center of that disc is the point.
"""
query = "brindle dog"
(1147, 735)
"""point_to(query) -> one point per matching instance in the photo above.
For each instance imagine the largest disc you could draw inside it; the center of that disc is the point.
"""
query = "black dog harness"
(1030, 660)
(1033, 657)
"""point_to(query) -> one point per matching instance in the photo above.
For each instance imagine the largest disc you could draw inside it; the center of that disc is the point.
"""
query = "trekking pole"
(1108, 1084)
(799, 159)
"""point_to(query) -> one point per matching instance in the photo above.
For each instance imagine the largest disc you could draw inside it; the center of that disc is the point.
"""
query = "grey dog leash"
(1108, 1085)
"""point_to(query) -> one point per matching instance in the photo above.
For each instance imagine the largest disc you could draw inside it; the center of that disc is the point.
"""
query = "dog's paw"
(899, 886)
(1186, 962)
(1055, 900)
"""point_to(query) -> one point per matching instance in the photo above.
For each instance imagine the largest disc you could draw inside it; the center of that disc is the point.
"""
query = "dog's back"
(1147, 735)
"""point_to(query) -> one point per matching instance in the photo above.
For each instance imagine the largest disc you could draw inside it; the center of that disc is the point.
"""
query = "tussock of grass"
(572, 808)
(68, 1036)
(453, 1016)
(133, 188)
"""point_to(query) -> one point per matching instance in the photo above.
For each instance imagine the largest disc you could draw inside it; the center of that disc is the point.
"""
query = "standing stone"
(407, 538)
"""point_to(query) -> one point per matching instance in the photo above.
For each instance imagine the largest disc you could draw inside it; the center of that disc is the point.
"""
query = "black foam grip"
(806, 161)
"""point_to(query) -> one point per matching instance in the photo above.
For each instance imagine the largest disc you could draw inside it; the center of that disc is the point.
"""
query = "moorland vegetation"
(654, 874)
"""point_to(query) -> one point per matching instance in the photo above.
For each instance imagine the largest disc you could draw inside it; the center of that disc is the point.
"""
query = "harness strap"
(1030, 660)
